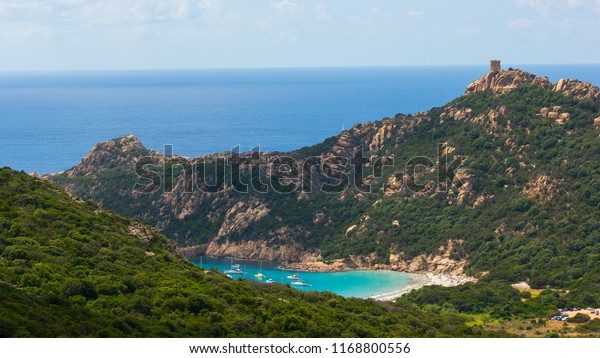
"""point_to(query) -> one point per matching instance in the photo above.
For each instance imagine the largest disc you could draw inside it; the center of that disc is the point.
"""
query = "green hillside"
(71, 269)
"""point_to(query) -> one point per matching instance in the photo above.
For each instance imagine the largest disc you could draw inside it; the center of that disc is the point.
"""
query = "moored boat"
(259, 275)
(234, 270)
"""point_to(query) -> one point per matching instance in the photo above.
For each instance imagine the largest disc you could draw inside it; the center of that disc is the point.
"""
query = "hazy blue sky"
(142, 34)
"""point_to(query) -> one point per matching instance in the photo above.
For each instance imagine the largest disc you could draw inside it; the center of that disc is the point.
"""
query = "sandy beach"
(428, 279)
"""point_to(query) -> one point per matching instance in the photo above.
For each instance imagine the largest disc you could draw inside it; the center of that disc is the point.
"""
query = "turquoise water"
(49, 121)
(360, 284)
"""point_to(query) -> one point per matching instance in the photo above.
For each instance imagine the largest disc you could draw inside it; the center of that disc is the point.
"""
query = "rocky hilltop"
(504, 81)
(120, 151)
(530, 150)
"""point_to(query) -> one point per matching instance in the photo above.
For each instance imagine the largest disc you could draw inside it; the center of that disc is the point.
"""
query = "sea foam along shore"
(428, 279)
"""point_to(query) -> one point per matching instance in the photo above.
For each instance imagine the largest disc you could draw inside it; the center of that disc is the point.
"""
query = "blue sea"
(361, 284)
(49, 121)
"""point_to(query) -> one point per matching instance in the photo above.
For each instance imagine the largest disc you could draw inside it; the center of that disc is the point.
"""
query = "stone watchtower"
(495, 66)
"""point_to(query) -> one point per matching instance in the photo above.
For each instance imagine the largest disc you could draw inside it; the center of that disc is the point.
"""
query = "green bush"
(77, 287)
(580, 318)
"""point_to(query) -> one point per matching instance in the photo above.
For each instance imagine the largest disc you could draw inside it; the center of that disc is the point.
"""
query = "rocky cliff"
(118, 152)
(518, 133)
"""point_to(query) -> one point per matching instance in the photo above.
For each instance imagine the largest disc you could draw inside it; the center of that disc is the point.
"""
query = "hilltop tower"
(495, 66)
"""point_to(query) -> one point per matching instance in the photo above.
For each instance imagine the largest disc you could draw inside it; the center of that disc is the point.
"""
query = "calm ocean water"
(49, 121)
(360, 284)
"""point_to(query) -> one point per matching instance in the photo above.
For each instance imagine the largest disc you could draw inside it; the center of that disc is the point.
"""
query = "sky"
(186, 34)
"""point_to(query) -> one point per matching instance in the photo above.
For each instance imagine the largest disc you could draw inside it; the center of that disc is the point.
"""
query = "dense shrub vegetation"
(69, 268)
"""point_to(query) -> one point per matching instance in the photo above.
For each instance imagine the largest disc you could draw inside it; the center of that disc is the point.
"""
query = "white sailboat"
(259, 275)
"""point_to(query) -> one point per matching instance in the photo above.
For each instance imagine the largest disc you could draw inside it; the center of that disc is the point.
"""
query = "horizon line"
(42, 71)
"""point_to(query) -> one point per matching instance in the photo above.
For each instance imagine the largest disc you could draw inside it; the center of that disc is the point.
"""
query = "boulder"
(350, 229)
(562, 118)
